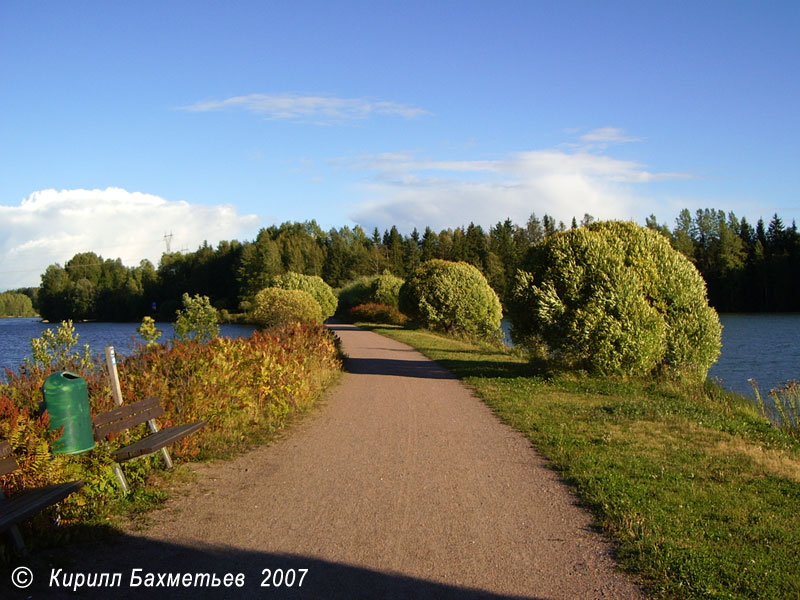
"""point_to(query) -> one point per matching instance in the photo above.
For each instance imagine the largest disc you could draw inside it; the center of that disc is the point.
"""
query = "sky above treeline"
(122, 122)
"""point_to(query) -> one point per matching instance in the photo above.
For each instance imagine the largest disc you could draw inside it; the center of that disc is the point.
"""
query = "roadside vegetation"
(246, 389)
(699, 492)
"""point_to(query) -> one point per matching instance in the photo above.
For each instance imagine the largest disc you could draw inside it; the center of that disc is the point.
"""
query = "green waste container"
(66, 399)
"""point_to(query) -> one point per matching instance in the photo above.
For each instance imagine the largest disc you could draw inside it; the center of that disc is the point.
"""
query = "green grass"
(699, 492)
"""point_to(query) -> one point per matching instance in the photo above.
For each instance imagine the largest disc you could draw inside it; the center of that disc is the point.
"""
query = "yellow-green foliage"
(148, 331)
(615, 298)
(319, 290)
(451, 297)
(277, 306)
(377, 289)
(55, 349)
(197, 319)
(13, 304)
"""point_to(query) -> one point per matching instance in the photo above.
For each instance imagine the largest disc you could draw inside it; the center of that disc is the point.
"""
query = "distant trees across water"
(746, 268)
(16, 304)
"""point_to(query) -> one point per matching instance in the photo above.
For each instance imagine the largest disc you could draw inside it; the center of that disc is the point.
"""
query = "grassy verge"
(700, 493)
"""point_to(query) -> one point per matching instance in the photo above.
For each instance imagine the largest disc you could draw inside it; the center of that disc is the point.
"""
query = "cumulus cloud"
(409, 191)
(51, 226)
(315, 108)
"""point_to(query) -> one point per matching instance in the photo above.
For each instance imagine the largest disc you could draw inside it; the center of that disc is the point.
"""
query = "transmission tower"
(168, 240)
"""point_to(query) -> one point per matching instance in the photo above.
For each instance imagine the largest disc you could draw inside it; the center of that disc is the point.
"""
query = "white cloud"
(608, 135)
(51, 226)
(408, 191)
(315, 108)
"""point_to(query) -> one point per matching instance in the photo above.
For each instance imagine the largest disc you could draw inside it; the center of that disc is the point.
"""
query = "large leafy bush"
(451, 297)
(614, 297)
(378, 289)
(319, 290)
(277, 306)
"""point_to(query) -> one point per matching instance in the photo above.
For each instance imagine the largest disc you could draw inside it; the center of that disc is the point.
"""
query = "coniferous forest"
(747, 268)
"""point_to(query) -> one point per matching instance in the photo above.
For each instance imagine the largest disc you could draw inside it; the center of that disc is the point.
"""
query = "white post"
(111, 363)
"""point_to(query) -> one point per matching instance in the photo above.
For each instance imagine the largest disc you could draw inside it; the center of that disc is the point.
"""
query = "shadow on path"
(323, 579)
(424, 369)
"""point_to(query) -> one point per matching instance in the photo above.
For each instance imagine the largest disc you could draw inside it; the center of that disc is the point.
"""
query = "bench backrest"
(7, 461)
(125, 417)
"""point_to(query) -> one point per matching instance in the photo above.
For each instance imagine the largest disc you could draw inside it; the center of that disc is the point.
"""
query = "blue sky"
(120, 122)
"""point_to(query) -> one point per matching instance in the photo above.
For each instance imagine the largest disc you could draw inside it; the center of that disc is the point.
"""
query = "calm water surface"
(765, 347)
(16, 335)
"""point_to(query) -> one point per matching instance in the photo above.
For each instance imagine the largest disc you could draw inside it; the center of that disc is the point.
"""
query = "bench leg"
(18, 541)
(167, 457)
(164, 452)
(121, 476)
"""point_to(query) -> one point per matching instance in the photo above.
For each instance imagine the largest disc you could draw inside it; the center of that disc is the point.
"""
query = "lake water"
(765, 347)
(16, 335)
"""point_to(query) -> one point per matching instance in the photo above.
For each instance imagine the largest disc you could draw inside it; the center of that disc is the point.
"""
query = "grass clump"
(699, 492)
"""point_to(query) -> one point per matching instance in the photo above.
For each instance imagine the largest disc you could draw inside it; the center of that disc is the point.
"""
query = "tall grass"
(783, 408)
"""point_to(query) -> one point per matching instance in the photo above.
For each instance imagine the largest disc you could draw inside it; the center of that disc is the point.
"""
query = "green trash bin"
(66, 399)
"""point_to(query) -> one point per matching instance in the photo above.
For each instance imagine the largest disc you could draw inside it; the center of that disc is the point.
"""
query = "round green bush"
(614, 297)
(277, 306)
(319, 290)
(378, 289)
(451, 296)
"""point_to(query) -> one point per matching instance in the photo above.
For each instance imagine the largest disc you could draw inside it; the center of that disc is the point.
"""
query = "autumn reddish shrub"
(373, 312)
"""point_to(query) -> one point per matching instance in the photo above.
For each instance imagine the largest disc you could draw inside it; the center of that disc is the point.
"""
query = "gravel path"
(403, 486)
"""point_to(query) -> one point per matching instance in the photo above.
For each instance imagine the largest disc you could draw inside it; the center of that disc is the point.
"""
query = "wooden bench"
(27, 502)
(125, 417)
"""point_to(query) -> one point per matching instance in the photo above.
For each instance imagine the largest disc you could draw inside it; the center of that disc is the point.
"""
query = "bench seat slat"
(27, 503)
(7, 461)
(123, 411)
(7, 465)
(156, 441)
(103, 431)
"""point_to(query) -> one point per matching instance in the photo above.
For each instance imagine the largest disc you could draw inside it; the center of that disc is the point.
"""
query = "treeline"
(17, 303)
(746, 268)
